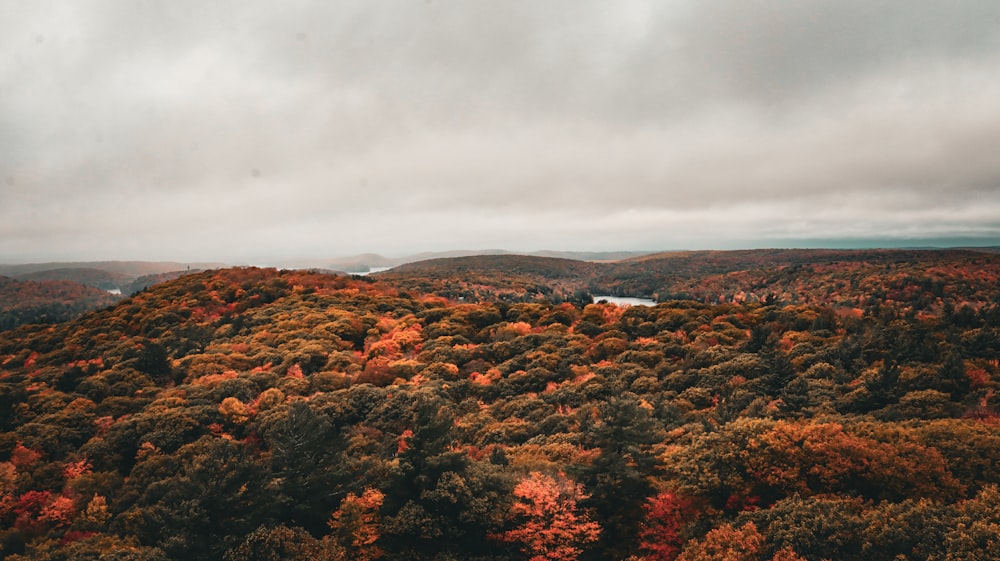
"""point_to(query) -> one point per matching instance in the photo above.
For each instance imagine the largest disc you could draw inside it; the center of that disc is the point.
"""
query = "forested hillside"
(925, 281)
(47, 301)
(850, 413)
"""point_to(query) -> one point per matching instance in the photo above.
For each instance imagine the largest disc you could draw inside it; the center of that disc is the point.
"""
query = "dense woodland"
(47, 301)
(774, 406)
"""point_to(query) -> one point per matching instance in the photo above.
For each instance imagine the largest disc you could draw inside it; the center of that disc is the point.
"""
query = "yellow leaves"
(550, 456)
(725, 543)
(234, 410)
(8, 485)
(97, 510)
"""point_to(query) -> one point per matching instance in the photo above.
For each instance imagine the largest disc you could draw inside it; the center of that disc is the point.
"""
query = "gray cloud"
(246, 130)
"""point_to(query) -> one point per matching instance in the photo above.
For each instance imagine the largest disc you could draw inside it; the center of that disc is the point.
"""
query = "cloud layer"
(252, 130)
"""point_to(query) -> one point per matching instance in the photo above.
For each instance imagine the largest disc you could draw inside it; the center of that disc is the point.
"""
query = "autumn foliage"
(355, 525)
(552, 526)
(662, 532)
(777, 405)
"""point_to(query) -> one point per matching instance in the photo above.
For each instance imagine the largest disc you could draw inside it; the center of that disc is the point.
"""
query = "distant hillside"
(367, 261)
(133, 269)
(921, 279)
(97, 278)
(515, 278)
(124, 276)
(548, 267)
(47, 301)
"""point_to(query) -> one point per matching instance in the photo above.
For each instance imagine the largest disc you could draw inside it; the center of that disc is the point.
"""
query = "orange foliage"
(212, 380)
(59, 511)
(355, 524)
(23, 457)
(552, 527)
(72, 470)
(490, 376)
(295, 372)
(821, 457)
(402, 445)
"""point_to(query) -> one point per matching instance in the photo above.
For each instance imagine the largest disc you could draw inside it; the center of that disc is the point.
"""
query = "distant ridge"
(133, 269)
(368, 261)
(119, 277)
(47, 301)
(836, 277)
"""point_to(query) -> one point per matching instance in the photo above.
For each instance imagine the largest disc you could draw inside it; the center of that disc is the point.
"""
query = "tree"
(355, 525)
(661, 534)
(619, 477)
(303, 445)
(279, 543)
(726, 543)
(551, 526)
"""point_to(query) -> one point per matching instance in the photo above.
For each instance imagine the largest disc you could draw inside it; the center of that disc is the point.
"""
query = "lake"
(625, 300)
(370, 271)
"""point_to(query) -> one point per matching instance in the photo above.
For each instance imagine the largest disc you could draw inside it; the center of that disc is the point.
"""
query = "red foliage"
(75, 535)
(742, 503)
(23, 457)
(978, 377)
(29, 509)
(661, 534)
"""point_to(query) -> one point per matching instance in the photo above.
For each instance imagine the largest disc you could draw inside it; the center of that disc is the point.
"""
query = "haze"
(253, 130)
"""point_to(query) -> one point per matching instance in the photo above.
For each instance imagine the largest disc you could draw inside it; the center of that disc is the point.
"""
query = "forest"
(773, 406)
(47, 301)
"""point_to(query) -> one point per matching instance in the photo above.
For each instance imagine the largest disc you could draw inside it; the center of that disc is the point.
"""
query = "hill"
(132, 269)
(514, 278)
(264, 414)
(920, 280)
(96, 278)
(368, 261)
(843, 278)
(47, 301)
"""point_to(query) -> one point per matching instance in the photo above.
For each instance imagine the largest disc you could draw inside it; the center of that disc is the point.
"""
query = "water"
(625, 300)
(370, 271)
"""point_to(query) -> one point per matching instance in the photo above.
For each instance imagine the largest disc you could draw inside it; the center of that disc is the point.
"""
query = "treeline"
(262, 414)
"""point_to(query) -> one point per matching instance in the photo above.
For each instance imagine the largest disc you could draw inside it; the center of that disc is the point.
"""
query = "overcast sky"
(250, 131)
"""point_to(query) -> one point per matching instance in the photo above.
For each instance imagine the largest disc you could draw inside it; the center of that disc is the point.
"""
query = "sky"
(245, 130)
